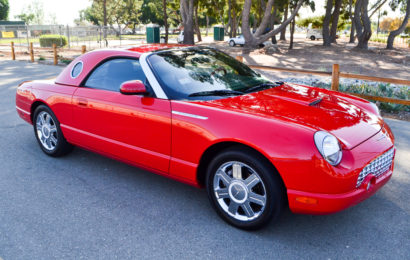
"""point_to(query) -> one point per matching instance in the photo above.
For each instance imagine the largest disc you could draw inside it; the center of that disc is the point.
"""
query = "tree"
(4, 9)
(316, 22)
(326, 23)
(164, 9)
(362, 23)
(331, 19)
(254, 40)
(52, 19)
(187, 13)
(37, 8)
(152, 12)
(33, 13)
(335, 20)
(352, 29)
(293, 5)
(393, 34)
(285, 17)
(27, 18)
(385, 25)
(196, 23)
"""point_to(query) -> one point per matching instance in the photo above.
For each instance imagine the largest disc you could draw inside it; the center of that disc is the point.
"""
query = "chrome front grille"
(377, 167)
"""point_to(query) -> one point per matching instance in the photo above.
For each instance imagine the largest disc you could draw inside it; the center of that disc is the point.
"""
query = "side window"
(112, 73)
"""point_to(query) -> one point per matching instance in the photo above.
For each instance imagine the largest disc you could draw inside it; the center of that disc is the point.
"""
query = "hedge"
(47, 40)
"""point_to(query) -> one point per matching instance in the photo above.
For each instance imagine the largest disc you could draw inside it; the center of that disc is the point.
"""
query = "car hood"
(317, 108)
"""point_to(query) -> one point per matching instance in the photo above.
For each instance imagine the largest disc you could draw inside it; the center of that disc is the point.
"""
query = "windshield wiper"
(219, 92)
(263, 86)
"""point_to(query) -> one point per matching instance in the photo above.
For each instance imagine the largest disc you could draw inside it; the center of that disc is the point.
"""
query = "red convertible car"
(199, 116)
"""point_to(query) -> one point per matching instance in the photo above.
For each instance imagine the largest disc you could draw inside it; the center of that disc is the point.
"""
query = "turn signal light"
(306, 200)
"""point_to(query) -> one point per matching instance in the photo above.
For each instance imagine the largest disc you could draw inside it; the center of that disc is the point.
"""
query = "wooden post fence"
(55, 54)
(83, 49)
(335, 77)
(31, 52)
(13, 54)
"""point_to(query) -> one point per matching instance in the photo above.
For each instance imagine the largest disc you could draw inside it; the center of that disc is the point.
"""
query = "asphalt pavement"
(86, 206)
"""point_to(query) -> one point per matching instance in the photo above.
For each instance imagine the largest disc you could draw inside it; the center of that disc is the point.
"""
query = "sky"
(67, 10)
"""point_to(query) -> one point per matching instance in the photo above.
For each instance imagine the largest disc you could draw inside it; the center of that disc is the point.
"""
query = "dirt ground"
(307, 54)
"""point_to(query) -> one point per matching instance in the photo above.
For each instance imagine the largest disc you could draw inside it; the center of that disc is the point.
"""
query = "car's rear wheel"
(231, 43)
(312, 37)
(245, 190)
(48, 132)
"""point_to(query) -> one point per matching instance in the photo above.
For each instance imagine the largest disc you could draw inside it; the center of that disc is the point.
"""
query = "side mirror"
(133, 87)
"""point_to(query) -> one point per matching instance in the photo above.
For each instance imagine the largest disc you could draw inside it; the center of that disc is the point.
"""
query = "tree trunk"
(335, 20)
(234, 18)
(326, 22)
(272, 24)
(362, 24)
(393, 34)
(230, 17)
(292, 31)
(352, 32)
(265, 20)
(105, 22)
(187, 13)
(164, 4)
(198, 31)
(352, 29)
(207, 24)
(261, 3)
(283, 32)
(254, 40)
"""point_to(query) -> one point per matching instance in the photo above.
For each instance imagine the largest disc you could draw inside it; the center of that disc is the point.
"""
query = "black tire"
(312, 37)
(271, 181)
(61, 147)
(232, 43)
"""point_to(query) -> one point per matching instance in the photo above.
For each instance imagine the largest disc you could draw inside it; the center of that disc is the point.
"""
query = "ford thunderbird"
(199, 116)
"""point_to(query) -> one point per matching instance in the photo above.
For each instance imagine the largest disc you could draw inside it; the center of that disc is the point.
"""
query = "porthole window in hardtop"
(77, 69)
(112, 73)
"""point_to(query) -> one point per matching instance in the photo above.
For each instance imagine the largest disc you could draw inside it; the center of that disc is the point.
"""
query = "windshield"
(202, 73)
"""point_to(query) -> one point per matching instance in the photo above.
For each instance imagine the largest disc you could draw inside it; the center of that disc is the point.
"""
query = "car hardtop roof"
(155, 47)
(139, 49)
(93, 58)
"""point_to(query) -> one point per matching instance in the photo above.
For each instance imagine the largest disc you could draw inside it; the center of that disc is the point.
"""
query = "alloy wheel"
(239, 191)
(46, 131)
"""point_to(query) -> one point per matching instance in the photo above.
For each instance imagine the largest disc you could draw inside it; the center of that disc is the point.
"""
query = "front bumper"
(347, 185)
(314, 203)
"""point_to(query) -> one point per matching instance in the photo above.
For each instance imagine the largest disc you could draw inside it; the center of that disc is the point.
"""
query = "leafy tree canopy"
(4, 9)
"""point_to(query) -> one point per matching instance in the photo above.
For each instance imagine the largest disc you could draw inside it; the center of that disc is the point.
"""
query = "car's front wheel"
(312, 37)
(48, 133)
(245, 190)
(231, 43)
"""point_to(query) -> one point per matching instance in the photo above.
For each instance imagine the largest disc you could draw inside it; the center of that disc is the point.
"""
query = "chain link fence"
(91, 36)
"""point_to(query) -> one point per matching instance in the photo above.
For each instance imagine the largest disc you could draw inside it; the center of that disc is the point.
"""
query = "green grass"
(18, 40)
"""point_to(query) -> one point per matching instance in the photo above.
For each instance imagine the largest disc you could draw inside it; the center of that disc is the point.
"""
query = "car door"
(133, 128)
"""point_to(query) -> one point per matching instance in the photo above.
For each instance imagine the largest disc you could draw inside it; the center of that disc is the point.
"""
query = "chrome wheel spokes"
(46, 131)
(239, 190)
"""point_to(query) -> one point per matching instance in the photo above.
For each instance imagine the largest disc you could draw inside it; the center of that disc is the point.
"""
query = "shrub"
(382, 90)
(48, 40)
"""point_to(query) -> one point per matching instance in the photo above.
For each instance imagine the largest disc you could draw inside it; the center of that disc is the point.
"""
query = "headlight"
(329, 147)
